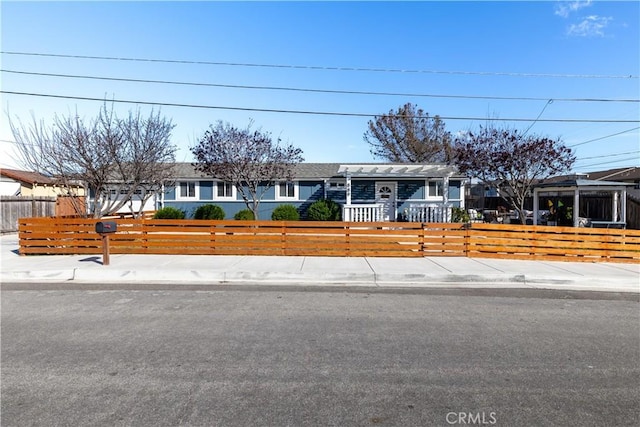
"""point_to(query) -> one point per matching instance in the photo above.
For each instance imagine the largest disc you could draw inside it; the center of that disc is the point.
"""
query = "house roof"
(26, 177)
(301, 170)
(619, 174)
(582, 183)
(333, 170)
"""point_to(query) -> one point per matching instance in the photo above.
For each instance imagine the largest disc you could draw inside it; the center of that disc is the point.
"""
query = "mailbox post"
(104, 229)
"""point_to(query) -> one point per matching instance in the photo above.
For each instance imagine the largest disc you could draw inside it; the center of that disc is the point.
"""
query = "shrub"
(244, 215)
(285, 213)
(324, 210)
(169, 212)
(459, 215)
(209, 212)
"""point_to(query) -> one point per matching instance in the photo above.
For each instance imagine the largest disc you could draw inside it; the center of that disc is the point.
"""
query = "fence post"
(421, 238)
(212, 238)
(283, 238)
(347, 240)
(145, 235)
(467, 238)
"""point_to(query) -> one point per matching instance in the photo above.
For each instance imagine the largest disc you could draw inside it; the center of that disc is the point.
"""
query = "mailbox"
(106, 227)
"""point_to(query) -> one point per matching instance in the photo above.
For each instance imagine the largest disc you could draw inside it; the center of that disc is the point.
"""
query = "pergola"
(576, 187)
(396, 171)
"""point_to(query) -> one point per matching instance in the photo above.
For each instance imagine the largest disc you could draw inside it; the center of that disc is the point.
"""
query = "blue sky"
(551, 51)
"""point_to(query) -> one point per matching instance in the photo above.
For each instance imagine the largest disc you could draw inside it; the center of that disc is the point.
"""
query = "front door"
(386, 197)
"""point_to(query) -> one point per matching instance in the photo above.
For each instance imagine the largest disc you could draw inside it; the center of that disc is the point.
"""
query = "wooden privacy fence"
(390, 239)
(12, 208)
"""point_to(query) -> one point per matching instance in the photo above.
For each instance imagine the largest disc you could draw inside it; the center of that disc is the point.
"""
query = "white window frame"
(286, 197)
(337, 185)
(233, 194)
(196, 192)
(439, 185)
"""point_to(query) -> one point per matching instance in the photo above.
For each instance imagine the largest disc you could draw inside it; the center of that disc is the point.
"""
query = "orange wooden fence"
(390, 239)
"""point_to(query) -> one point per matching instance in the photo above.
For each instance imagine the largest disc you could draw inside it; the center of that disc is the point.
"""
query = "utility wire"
(293, 89)
(603, 137)
(321, 113)
(579, 159)
(608, 162)
(549, 102)
(323, 68)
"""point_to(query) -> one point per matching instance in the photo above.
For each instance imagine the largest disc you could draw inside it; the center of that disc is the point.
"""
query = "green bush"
(324, 210)
(244, 215)
(169, 212)
(285, 213)
(460, 215)
(209, 212)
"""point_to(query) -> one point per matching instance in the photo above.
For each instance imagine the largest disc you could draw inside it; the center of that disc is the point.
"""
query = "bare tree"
(249, 159)
(510, 161)
(115, 159)
(408, 135)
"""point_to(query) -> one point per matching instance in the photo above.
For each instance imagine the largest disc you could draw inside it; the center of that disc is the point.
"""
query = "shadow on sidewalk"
(96, 259)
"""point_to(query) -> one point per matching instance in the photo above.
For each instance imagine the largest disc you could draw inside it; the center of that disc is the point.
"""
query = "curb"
(390, 280)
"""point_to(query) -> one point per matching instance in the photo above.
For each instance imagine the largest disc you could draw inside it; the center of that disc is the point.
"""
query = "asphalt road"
(277, 357)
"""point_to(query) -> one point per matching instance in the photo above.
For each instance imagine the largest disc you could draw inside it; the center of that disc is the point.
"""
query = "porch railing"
(428, 212)
(362, 213)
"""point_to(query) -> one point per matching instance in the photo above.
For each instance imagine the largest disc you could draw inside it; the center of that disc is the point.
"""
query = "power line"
(320, 113)
(549, 102)
(577, 159)
(323, 68)
(603, 137)
(607, 155)
(608, 162)
(293, 89)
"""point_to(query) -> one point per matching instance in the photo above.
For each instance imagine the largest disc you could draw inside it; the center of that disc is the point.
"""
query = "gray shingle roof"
(313, 170)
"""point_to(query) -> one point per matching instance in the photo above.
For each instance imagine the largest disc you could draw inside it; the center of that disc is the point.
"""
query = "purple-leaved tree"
(510, 161)
(249, 159)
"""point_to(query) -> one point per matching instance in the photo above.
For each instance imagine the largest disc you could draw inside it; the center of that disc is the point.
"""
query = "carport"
(554, 195)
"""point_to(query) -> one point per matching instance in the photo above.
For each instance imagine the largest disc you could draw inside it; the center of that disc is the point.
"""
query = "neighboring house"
(31, 194)
(626, 175)
(367, 192)
(23, 183)
(137, 203)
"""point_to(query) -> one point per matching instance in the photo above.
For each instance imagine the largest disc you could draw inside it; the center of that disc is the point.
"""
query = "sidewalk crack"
(375, 275)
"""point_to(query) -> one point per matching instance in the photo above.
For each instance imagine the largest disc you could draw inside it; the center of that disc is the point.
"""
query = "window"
(434, 189)
(385, 192)
(287, 190)
(187, 190)
(225, 190)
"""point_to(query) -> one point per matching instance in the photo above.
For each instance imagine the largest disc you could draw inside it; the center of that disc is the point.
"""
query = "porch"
(401, 192)
(416, 212)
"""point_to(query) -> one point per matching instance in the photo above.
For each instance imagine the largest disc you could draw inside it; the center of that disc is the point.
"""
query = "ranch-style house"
(366, 192)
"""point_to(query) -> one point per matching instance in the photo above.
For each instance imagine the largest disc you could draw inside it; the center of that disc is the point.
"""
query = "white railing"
(362, 213)
(428, 212)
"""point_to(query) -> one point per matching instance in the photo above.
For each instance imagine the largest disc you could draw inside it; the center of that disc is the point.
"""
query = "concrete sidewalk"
(308, 271)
